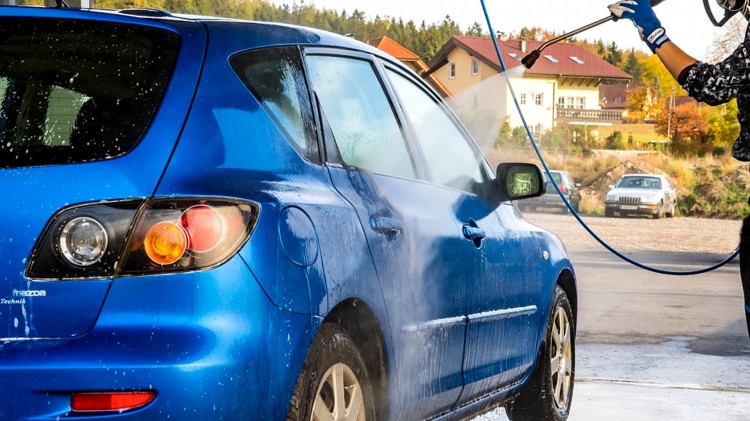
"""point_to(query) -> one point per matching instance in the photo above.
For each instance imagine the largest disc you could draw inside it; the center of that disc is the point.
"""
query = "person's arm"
(713, 84)
(674, 59)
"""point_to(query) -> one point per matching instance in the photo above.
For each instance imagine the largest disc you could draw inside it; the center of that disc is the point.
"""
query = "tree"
(686, 128)
(614, 141)
(475, 30)
(640, 102)
(723, 126)
(614, 55)
(732, 35)
(633, 67)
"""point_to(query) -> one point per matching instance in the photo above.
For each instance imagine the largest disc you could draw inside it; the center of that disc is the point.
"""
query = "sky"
(684, 20)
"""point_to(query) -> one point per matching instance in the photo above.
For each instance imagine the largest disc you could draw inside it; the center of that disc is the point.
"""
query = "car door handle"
(472, 232)
(385, 225)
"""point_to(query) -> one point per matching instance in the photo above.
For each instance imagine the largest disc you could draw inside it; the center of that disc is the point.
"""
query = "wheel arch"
(567, 282)
(359, 321)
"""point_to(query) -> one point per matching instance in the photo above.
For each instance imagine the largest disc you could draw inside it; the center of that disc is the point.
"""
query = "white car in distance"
(641, 194)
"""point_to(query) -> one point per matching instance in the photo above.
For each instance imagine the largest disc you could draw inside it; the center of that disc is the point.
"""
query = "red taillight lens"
(110, 401)
(562, 188)
(204, 227)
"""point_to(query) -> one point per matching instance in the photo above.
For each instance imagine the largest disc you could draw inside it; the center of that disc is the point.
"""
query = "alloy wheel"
(339, 396)
(561, 358)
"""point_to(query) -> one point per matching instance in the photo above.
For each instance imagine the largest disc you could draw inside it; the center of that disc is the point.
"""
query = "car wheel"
(548, 394)
(609, 213)
(333, 384)
(659, 211)
(672, 211)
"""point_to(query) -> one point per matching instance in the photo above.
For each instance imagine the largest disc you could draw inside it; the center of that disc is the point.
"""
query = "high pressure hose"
(549, 174)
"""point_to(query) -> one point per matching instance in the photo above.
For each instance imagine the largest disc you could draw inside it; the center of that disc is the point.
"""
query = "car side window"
(451, 161)
(276, 79)
(359, 115)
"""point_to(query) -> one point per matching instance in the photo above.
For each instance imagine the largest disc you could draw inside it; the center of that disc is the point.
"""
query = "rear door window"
(359, 115)
(75, 91)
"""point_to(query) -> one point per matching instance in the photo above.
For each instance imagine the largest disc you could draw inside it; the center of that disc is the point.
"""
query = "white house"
(562, 86)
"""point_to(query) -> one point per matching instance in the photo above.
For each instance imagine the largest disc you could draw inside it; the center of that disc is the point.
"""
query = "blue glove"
(643, 17)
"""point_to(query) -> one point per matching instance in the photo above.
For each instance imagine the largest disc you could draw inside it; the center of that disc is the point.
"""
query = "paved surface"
(656, 347)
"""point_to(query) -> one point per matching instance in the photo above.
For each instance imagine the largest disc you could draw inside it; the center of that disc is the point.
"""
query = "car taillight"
(109, 401)
(140, 237)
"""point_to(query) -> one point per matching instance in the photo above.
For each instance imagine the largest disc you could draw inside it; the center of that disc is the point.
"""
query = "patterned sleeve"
(718, 83)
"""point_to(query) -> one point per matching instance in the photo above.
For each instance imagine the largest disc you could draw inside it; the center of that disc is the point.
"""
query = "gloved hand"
(643, 17)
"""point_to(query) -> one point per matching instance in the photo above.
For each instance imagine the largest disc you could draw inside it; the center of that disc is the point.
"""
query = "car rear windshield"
(75, 91)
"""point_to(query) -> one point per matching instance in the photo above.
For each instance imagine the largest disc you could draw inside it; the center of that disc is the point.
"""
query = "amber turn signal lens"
(165, 243)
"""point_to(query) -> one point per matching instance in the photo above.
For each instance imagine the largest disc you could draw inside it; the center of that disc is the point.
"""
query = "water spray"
(531, 58)
(544, 163)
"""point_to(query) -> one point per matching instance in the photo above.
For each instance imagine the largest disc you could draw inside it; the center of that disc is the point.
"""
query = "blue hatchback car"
(212, 219)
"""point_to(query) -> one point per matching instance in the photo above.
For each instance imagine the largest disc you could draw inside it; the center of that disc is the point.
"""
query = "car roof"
(643, 175)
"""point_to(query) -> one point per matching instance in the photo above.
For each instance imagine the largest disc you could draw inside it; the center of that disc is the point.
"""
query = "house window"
(572, 102)
(452, 70)
(536, 129)
(576, 59)
(551, 58)
(538, 99)
(535, 98)
(514, 56)
(474, 67)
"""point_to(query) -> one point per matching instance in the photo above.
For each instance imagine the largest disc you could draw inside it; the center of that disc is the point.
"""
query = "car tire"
(609, 213)
(333, 357)
(549, 392)
(659, 212)
(673, 210)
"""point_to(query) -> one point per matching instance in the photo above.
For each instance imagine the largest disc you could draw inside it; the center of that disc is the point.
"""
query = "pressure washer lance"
(531, 58)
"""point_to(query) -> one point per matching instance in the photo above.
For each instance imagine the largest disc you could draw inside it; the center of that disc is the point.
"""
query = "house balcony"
(588, 116)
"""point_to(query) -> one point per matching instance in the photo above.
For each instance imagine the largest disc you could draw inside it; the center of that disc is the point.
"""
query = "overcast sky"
(685, 20)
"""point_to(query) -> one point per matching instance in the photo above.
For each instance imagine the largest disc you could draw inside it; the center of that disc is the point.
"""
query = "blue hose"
(575, 214)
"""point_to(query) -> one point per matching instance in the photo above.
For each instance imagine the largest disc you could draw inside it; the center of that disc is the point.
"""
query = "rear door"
(79, 122)
(420, 256)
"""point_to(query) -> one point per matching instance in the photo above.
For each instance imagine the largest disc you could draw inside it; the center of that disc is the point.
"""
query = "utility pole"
(669, 115)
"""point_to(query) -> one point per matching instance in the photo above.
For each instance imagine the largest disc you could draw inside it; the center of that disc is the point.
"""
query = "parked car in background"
(214, 219)
(641, 194)
(551, 198)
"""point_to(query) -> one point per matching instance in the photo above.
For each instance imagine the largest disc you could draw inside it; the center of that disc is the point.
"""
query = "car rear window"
(75, 91)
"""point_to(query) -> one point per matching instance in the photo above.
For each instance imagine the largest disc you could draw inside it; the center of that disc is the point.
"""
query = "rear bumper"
(209, 344)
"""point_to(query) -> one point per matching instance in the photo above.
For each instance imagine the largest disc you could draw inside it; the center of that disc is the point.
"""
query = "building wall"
(484, 101)
(478, 99)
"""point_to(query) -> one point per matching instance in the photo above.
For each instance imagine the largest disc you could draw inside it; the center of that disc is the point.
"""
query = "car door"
(501, 290)
(417, 248)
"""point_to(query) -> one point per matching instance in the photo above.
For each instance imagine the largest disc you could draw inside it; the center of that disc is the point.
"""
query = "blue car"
(213, 219)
